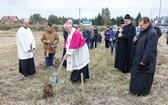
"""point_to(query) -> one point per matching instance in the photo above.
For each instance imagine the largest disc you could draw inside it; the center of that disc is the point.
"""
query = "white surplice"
(25, 41)
(79, 57)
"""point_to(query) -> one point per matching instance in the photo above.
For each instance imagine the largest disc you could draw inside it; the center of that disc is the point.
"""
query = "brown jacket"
(54, 39)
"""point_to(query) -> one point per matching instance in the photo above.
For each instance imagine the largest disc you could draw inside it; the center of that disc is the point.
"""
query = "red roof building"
(9, 19)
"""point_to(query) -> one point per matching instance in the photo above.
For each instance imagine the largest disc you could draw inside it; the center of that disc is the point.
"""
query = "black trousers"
(93, 44)
(107, 43)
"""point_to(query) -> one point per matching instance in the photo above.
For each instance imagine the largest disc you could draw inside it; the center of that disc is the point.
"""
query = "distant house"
(86, 22)
(162, 21)
(9, 19)
(164, 17)
(44, 22)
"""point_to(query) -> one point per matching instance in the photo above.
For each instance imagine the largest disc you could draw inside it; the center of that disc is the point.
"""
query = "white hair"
(25, 20)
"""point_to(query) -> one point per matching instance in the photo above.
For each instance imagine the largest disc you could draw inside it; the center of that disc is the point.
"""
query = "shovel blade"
(54, 78)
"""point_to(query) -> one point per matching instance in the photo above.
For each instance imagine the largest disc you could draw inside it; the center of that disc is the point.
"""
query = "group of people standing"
(92, 36)
(76, 51)
(135, 51)
(26, 45)
(135, 54)
(111, 37)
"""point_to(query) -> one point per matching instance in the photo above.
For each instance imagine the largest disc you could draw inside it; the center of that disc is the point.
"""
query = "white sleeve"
(70, 51)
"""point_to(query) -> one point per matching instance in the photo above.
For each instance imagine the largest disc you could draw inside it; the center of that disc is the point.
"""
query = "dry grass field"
(106, 86)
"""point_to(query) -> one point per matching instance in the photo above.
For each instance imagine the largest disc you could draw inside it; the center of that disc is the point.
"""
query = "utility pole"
(79, 14)
(152, 13)
(160, 11)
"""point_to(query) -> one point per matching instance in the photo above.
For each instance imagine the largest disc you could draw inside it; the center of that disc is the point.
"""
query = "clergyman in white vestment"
(25, 45)
(77, 54)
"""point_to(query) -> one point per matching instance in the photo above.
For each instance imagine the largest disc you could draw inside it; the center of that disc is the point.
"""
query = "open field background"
(106, 86)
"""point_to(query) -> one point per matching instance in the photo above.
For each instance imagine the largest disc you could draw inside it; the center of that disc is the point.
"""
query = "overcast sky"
(89, 8)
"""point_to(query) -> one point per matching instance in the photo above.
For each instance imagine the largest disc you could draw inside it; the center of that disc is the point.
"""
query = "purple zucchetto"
(67, 23)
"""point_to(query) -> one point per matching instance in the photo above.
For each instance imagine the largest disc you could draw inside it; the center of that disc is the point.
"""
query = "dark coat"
(120, 52)
(95, 31)
(99, 38)
(125, 49)
(86, 34)
(145, 51)
(158, 31)
(107, 34)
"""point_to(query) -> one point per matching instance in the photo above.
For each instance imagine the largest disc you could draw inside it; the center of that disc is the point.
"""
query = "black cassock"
(76, 74)
(124, 49)
(120, 53)
(27, 67)
(145, 51)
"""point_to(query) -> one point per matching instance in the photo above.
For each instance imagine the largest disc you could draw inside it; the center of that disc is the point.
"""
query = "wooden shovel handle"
(82, 85)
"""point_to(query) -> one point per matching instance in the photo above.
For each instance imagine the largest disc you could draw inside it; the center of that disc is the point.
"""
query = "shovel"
(54, 78)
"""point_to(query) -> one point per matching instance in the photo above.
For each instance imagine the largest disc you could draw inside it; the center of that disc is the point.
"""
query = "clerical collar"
(24, 27)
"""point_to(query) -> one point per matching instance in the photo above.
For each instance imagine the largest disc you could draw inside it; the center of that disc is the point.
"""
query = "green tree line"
(103, 18)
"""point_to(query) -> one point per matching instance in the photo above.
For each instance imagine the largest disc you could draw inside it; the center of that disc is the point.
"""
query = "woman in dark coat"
(107, 37)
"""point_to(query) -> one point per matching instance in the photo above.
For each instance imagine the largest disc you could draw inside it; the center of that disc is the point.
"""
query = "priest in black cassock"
(25, 45)
(144, 59)
(125, 46)
(120, 47)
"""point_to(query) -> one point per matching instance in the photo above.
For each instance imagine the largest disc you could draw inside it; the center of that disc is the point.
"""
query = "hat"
(122, 21)
(49, 24)
(127, 16)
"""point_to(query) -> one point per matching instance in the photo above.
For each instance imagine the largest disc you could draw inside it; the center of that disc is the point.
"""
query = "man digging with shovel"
(77, 54)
